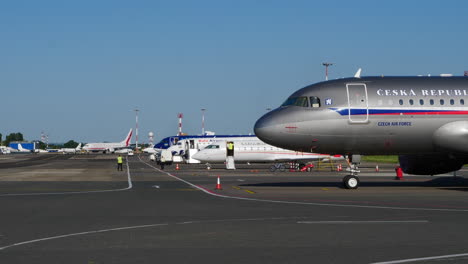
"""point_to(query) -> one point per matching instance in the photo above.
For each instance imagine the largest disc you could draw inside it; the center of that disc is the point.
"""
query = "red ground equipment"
(307, 167)
(399, 173)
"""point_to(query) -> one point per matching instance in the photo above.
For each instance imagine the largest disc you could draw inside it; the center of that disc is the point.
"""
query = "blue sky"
(77, 69)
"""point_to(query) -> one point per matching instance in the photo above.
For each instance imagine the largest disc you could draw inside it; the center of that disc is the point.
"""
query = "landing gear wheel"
(351, 182)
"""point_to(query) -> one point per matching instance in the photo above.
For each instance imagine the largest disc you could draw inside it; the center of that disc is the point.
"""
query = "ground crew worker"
(230, 148)
(162, 161)
(119, 163)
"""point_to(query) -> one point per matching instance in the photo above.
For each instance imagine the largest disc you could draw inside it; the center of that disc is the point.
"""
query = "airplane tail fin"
(126, 141)
(78, 148)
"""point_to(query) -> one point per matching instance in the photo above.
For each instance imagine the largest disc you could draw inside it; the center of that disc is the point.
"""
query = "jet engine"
(452, 137)
(430, 164)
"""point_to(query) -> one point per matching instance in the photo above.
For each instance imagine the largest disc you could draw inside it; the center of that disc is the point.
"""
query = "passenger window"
(462, 102)
(421, 101)
(401, 101)
(431, 101)
(379, 102)
(411, 102)
(442, 101)
(314, 101)
(452, 102)
(390, 102)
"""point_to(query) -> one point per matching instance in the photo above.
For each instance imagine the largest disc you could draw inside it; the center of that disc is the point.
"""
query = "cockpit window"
(315, 101)
(297, 101)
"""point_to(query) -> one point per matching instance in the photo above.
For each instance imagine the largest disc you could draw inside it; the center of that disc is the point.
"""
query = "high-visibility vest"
(119, 160)
(230, 146)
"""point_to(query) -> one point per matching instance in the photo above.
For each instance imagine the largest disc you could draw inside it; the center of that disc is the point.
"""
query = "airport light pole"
(203, 121)
(326, 64)
(136, 129)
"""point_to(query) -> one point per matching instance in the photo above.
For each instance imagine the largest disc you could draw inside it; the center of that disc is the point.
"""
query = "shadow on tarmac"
(446, 183)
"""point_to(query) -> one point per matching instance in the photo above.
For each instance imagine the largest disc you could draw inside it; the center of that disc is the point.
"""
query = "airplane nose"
(197, 155)
(266, 128)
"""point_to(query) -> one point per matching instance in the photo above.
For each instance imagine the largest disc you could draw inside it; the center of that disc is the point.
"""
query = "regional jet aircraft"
(424, 120)
(108, 147)
(70, 150)
(254, 150)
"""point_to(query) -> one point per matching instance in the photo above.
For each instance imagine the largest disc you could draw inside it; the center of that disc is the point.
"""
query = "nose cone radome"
(267, 128)
(199, 156)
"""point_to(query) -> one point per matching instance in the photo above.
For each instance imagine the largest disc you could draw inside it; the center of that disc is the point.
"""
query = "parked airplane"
(70, 150)
(108, 147)
(422, 119)
(197, 140)
(150, 150)
(124, 151)
(254, 150)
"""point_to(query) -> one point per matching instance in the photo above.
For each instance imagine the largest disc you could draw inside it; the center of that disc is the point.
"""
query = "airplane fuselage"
(373, 115)
(254, 150)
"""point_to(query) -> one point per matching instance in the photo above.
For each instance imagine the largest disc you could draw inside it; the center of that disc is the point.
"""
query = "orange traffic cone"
(177, 167)
(218, 185)
(376, 168)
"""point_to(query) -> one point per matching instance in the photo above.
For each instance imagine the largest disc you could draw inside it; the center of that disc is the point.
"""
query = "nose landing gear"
(352, 181)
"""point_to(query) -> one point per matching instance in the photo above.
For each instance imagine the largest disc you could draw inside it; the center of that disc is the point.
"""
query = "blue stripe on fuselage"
(363, 111)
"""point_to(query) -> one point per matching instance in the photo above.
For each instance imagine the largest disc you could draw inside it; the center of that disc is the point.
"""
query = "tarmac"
(80, 209)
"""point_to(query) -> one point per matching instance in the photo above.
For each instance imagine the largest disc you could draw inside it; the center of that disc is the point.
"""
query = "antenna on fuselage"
(358, 73)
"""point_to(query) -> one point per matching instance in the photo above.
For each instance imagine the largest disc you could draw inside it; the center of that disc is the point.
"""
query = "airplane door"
(358, 105)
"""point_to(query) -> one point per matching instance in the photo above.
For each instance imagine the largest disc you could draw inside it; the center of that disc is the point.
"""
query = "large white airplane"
(253, 150)
(108, 147)
(70, 150)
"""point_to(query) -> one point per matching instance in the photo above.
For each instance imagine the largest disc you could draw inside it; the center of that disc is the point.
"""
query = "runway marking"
(423, 259)
(245, 190)
(129, 179)
(302, 203)
(145, 226)
(79, 234)
(365, 222)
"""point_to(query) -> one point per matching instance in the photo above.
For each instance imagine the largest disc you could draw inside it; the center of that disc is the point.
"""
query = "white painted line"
(365, 222)
(423, 259)
(156, 186)
(304, 203)
(80, 234)
(143, 226)
(129, 179)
